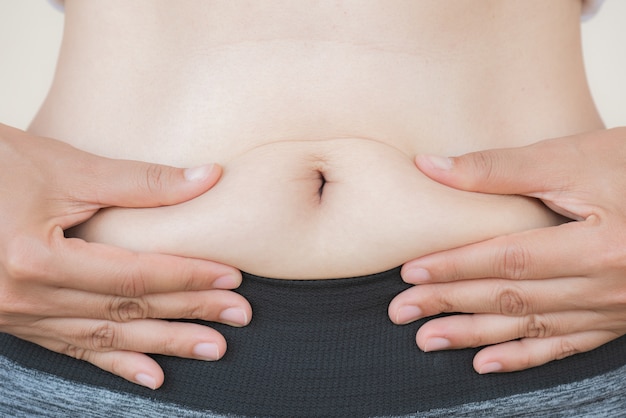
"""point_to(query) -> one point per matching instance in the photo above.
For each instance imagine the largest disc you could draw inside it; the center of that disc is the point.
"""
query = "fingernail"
(226, 282)
(416, 275)
(146, 380)
(198, 173)
(234, 316)
(441, 163)
(490, 368)
(207, 351)
(436, 343)
(407, 314)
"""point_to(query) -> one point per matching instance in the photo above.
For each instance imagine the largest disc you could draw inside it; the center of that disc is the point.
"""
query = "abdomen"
(318, 209)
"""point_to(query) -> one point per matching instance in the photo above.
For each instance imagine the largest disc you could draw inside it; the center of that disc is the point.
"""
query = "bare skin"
(315, 113)
(97, 302)
(316, 121)
(540, 295)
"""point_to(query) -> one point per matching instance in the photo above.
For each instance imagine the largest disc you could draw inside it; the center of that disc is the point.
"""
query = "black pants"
(324, 348)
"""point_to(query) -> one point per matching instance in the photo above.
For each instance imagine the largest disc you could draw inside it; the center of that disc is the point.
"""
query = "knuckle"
(130, 286)
(537, 326)
(476, 336)
(155, 175)
(565, 348)
(455, 271)
(117, 366)
(484, 164)
(76, 352)
(514, 261)
(102, 337)
(187, 273)
(525, 356)
(444, 300)
(170, 346)
(512, 302)
(526, 361)
(483, 161)
(121, 309)
(198, 310)
(133, 282)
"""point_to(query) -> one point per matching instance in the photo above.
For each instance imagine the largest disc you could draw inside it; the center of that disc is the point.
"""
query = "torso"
(290, 98)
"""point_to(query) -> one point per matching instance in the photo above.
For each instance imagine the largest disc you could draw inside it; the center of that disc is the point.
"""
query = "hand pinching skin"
(543, 294)
(96, 302)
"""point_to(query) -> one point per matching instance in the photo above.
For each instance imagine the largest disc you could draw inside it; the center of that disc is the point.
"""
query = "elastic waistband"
(325, 348)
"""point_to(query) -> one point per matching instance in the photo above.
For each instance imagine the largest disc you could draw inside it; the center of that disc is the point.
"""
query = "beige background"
(31, 30)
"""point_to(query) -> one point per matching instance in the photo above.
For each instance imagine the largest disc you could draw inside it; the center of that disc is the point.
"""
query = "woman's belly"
(316, 122)
(318, 209)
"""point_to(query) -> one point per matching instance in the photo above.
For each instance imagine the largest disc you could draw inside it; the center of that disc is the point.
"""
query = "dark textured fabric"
(31, 393)
(325, 348)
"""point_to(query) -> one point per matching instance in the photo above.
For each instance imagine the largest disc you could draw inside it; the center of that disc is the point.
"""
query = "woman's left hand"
(535, 296)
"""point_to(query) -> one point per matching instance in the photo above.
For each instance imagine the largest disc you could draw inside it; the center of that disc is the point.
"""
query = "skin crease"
(512, 280)
(350, 90)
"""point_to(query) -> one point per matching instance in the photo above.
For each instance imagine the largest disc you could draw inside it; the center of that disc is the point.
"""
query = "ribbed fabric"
(30, 393)
(325, 348)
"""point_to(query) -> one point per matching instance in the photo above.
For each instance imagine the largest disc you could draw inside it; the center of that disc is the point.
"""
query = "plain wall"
(31, 30)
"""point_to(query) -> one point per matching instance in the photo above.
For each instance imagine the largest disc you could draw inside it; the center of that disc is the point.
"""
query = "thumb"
(531, 170)
(125, 183)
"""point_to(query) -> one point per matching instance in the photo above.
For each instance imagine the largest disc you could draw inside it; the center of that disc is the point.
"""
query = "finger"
(179, 339)
(214, 305)
(503, 297)
(123, 183)
(99, 268)
(135, 367)
(532, 352)
(114, 182)
(117, 347)
(532, 254)
(463, 331)
(543, 166)
(210, 305)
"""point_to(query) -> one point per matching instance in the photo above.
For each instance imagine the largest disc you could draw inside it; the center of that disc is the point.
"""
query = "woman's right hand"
(96, 302)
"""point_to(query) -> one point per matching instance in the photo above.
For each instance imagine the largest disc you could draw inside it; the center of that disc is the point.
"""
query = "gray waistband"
(29, 393)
